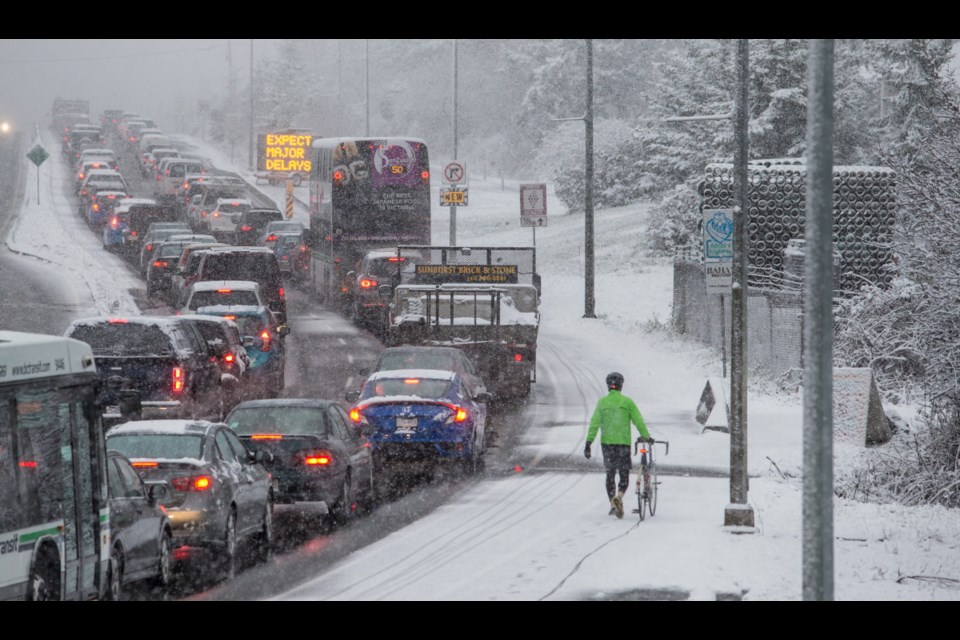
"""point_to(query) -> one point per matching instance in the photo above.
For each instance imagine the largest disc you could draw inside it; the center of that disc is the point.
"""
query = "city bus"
(54, 515)
(365, 194)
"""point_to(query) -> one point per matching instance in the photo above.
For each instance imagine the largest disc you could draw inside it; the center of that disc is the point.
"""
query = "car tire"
(44, 581)
(342, 511)
(229, 556)
(114, 590)
(265, 541)
(164, 561)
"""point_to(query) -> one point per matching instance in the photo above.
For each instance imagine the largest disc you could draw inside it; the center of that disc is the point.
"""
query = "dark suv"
(167, 360)
(258, 264)
(252, 222)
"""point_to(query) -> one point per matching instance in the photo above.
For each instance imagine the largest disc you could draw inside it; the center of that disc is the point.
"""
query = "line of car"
(213, 446)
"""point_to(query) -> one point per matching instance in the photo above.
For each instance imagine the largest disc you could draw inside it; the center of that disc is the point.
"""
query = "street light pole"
(453, 208)
(252, 165)
(738, 513)
(589, 300)
(366, 82)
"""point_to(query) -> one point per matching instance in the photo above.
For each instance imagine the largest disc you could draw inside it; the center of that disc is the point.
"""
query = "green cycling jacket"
(613, 416)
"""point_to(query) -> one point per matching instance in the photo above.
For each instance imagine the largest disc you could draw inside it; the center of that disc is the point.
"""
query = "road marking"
(350, 358)
(349, 383)
(342, 341)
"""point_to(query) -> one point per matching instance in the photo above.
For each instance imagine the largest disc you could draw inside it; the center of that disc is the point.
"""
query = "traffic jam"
(196, 397)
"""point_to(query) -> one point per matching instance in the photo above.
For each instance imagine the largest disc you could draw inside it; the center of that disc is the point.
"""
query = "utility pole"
(738, 513)
(453, 208)
(818, 331)
(588, 272)
(366, 82)
(589, 300)
(253, 166)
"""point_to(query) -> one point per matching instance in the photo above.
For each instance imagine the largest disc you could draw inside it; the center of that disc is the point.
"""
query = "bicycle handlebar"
(636, 445)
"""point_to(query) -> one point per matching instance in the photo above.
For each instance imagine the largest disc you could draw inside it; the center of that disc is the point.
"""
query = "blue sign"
(718, 234)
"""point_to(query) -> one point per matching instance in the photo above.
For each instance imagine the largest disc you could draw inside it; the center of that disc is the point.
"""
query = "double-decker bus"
(54, 515)
(365, 194)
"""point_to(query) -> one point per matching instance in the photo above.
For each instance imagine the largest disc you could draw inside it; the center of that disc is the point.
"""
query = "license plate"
(406, 425)
(112, 409)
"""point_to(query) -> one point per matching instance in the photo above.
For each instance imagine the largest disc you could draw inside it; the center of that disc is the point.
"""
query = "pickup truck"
(163, 358)
(485, 301)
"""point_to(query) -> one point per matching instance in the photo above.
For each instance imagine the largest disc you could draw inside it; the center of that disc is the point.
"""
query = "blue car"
(263, 339)
(420, 419)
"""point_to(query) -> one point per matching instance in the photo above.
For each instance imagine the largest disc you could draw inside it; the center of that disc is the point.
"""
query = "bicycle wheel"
(652, 495)
(641, 495)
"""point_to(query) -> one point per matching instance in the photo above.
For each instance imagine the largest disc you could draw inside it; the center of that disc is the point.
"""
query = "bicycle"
(647, 483)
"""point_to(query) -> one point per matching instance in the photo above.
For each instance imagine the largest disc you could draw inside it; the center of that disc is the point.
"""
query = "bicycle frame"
(646, 487)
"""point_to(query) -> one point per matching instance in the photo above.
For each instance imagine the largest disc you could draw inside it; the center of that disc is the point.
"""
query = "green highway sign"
(37, 155)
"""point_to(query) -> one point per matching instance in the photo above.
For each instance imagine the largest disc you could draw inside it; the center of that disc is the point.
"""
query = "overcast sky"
(147, 76)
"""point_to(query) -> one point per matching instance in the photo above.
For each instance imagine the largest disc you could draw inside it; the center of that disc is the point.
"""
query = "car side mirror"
(364, 371)
(283, 330)
(261, 457)
(386, 291)
(484, 396)
(156, 491)
(248, 341)
(351, 396)
(129, 401)
(351, 274)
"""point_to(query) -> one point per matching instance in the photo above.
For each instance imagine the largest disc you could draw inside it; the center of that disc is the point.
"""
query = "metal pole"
(453, 208)
(589, 300)
(366, 82)
(818, 331)
(738, 512)
(723, 335)
(252, 165)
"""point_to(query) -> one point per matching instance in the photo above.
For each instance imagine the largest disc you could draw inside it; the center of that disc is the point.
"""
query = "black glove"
(586, 451)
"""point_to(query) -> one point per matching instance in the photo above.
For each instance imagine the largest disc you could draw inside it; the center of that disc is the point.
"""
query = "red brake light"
(271, 238)
(396, 259)
(117, 321)
(145, 464)
(203, 214)
(282, 293)
(367, 284)
(161, 263)
(517, 357)
(411, 381)
(96, 207)
(267, 436)
(318, 458)
(28, 464)
(113, 223)
(133, 233)
(194, 483)
(149, 247)
(177, 379)
(265, 338)
(230, 317)
(461, 415)
(424, 175)
(224, 290)
(338, 176)
(246, 227)
(228, 357)
(355, 415)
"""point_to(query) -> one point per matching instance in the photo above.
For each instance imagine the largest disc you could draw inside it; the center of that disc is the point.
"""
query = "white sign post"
(533, 207)
(718, 263)
(454, 173)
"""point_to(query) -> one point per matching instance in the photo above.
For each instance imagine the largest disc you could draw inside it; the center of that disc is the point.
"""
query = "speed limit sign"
(533, 205)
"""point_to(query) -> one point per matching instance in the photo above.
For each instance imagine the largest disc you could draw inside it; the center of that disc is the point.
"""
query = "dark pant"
(616, 457)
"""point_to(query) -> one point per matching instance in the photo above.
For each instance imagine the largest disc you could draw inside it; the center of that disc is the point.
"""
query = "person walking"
(612, 417)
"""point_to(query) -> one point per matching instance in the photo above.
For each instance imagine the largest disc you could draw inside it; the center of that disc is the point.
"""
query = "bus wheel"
(45, 578)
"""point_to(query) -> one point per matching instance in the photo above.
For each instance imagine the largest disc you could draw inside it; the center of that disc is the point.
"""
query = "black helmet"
(615, 381)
